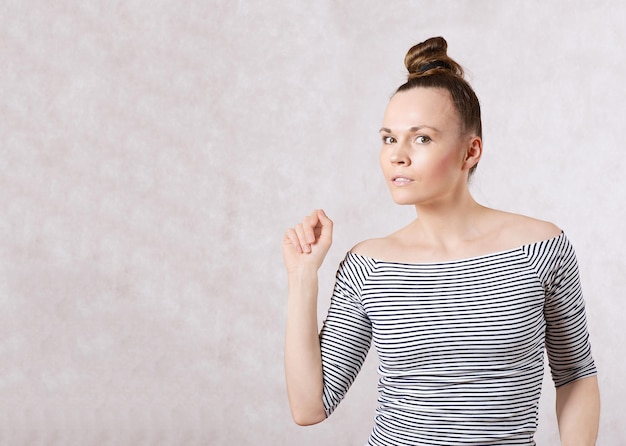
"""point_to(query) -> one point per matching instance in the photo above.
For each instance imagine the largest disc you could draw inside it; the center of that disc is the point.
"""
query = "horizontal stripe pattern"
(460, 343)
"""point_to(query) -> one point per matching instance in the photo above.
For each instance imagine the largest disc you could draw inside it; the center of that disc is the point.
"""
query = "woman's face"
(424, 150)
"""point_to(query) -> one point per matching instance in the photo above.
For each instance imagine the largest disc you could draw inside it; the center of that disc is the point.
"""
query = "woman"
(460, 303)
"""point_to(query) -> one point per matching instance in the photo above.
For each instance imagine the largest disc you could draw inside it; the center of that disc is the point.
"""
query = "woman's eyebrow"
(412, 129)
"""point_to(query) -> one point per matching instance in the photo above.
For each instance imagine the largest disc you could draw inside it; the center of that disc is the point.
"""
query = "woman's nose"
(400, 156)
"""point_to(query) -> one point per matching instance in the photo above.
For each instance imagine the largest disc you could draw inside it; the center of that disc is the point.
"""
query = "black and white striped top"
(460, 343)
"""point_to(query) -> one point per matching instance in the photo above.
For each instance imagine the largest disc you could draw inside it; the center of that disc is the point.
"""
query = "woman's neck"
(450, 223)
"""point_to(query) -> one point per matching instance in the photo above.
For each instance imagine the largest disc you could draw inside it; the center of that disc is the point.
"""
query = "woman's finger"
(309, 223)
(326, 230)
(306, 247)
(292, 237)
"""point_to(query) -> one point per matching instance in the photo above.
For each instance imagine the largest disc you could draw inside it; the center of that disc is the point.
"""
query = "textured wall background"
(154, 152)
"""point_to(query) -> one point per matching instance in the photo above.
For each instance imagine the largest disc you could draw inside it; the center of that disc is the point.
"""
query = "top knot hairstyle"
(430, 66)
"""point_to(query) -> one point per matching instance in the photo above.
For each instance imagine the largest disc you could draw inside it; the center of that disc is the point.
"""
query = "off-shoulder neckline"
(460, 260)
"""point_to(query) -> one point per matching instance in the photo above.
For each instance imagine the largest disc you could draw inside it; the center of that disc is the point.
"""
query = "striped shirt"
(460, 343)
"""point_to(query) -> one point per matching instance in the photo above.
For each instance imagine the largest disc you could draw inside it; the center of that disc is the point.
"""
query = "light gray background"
(154, 152)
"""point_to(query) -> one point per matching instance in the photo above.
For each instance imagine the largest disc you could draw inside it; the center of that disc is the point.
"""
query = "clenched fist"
(306, 244)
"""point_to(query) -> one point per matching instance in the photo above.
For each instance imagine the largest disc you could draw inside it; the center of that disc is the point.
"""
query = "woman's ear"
(473, 152)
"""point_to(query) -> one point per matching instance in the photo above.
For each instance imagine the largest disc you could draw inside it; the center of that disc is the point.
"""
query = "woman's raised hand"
(306, 244)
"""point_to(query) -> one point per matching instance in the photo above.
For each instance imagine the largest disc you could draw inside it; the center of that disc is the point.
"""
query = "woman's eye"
(423, 139)
(389, 140)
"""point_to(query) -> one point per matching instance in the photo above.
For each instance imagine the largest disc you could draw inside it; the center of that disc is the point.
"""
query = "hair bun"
(430, 57)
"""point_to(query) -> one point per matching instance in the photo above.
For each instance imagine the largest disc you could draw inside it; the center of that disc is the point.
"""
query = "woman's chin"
(403, 201)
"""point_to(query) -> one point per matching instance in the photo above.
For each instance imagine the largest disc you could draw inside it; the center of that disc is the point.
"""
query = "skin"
(425, 159)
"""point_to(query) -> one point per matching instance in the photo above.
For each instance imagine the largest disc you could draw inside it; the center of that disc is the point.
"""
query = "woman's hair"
(430, 66)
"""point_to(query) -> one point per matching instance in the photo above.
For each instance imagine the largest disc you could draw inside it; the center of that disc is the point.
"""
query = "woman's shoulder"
(518, 230)
(501, 231)
(383, 248)
(372, 247)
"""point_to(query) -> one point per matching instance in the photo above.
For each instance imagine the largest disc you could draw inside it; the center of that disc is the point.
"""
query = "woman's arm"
(568, 347)
(578, 412)
(304, 249)
(303, 359)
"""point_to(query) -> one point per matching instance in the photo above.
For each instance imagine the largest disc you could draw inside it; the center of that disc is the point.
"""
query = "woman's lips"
(401, 181)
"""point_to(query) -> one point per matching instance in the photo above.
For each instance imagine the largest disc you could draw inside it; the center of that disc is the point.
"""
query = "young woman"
(460, 304)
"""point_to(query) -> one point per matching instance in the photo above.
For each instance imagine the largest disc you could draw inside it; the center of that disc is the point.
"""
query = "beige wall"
(153, 153)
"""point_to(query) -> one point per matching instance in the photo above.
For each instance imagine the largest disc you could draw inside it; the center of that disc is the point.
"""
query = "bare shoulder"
(390, 247)
(374, 248)
(523, 230)
(497, 231)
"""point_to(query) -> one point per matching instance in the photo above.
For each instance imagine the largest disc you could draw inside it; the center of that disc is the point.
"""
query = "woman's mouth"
(401, 181)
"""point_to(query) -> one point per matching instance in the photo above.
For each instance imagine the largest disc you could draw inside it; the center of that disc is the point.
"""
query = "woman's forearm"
(303, 360)
(578, 412)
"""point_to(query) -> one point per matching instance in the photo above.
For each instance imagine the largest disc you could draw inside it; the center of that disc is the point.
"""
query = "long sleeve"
(346, 334)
